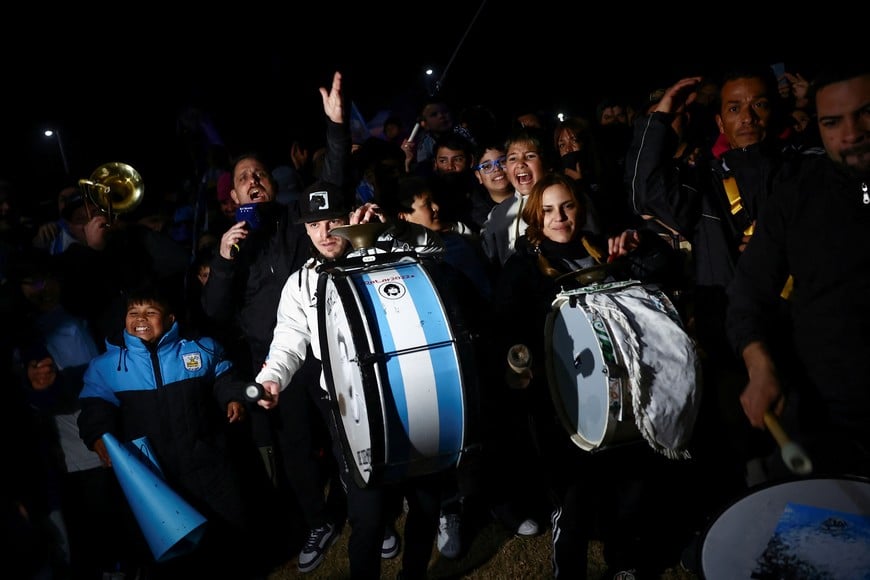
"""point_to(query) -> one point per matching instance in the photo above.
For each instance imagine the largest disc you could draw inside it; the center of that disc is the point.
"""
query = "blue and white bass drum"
(392, 367)
(621, 368)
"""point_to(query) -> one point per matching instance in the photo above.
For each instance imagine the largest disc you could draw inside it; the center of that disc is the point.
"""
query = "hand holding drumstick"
(762, 401)
(794, 457)
(265, 395)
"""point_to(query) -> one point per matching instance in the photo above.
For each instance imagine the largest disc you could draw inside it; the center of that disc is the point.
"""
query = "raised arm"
(656, 186)
(336, 163)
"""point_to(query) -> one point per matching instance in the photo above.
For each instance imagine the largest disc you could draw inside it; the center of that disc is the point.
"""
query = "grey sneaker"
(390, 547)
(319, 540)
(528, 527)
(449, 539)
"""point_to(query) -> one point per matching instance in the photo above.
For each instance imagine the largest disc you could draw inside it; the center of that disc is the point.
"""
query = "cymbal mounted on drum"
(596, 274)
(115, 188)
(362, 238)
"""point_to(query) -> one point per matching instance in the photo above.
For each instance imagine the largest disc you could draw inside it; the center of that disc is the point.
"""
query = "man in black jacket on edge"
(815, 229)
(694, 199)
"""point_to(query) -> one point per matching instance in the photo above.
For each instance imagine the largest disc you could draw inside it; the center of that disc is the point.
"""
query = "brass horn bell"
(114, 187)
(361, 236)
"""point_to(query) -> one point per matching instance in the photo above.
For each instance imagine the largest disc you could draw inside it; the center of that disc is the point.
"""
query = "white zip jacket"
(296, 325)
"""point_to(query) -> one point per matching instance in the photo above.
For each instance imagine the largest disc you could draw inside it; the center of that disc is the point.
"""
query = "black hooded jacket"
(246, 291)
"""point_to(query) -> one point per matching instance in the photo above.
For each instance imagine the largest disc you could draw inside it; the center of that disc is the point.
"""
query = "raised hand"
(332, 100)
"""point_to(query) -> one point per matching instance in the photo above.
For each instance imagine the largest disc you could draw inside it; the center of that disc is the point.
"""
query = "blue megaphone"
(170, 525)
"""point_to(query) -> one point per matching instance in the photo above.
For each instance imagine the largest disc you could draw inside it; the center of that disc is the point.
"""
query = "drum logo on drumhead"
(392, 290)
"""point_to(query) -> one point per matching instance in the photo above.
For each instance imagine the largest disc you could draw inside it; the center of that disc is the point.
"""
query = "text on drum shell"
(388, 279)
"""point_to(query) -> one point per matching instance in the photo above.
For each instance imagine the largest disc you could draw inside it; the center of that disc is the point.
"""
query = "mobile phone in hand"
(779, 72)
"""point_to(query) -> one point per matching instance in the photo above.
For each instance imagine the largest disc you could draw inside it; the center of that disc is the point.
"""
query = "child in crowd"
(179, 394)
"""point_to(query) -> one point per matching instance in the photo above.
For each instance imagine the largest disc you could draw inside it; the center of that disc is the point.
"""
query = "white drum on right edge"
(738, 538)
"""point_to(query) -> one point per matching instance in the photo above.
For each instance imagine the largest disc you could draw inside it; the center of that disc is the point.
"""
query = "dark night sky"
(116, 87)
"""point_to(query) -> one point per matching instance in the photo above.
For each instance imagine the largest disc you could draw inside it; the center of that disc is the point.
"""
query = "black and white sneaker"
(390, 547)
(319, 540)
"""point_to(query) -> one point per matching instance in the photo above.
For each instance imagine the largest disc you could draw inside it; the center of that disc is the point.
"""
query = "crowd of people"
(702, 251)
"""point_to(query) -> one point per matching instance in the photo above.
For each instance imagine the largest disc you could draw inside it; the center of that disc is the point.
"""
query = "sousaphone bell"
(115, 188)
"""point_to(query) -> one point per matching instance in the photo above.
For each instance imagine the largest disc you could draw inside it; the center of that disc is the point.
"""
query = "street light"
(56, 133)
(431, 81)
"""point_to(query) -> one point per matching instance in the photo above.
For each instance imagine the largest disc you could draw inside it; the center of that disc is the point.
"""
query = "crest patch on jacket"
(192, 361)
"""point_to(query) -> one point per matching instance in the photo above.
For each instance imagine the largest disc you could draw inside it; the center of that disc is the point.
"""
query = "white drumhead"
(392, 365)
(787, 525)
(578, 374)
(347, 380)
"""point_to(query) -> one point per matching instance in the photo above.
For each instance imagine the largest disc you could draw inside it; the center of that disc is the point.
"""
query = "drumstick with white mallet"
(255, 391)
(793, 455)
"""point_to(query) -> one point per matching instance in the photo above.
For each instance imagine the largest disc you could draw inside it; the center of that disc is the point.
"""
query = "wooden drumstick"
(793, 455)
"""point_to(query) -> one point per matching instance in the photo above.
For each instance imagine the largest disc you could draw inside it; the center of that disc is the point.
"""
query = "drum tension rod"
(369, 358)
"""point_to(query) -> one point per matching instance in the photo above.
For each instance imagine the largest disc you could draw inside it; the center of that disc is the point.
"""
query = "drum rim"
(378, 449)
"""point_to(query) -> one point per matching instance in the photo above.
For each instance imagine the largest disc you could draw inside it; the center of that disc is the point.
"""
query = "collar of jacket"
(135, 344)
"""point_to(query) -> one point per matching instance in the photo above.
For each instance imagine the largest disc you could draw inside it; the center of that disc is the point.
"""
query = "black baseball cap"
(322, 201)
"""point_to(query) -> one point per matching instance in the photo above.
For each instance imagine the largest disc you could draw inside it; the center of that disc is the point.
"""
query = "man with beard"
(814, 229)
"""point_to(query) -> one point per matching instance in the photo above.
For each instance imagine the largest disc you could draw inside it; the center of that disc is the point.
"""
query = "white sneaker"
(449, 539)
(390, 547)
(529, 527)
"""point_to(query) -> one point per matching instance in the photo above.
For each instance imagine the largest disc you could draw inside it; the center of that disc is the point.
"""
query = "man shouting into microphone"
(242, 293)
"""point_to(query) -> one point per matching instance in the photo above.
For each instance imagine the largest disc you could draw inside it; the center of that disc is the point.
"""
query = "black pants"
(369, 509)
(623, 496)
(304, 442)
(93, 505)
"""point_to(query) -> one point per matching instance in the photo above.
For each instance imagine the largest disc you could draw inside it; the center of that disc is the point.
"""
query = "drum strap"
(596, 254)
(736, 204)
(548, 270)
